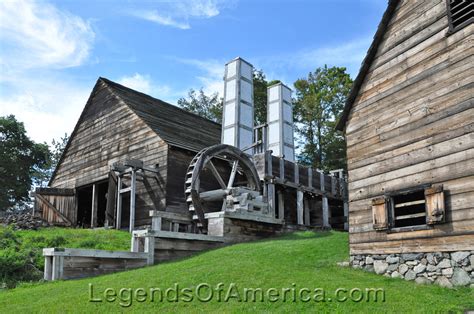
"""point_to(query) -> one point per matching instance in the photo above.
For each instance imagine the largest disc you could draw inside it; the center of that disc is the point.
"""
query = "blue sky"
(52, 52)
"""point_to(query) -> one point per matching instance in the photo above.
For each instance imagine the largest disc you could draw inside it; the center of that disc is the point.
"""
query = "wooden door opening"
(92, 205)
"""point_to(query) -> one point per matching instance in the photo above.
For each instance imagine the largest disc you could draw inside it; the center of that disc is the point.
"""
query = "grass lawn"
(301, 260)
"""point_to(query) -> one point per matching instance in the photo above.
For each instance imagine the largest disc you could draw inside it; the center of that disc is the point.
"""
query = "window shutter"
(434, 197)
(460, 14)
(380, 213)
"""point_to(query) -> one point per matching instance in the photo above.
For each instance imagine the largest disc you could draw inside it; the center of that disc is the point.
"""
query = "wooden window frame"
(453, 29)
(426, 189)
(391, 209)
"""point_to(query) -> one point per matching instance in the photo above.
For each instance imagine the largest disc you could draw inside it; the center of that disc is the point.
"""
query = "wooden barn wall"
(178, 163)
(413, 123)
(110, 132)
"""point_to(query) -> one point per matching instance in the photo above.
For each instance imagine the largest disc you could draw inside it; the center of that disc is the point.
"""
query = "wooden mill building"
(409, 125)
(120, 125)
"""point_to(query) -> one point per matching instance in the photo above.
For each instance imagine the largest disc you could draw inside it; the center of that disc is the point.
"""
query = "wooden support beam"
(281, 205)
(271, 199)
(346, 215)
(156, 223)
(57, 268)
(95, 205)
(321, 178)
(297, 173)
(299, 207)
(48, 268)
(132, 200)
(325, 206)
(118, 223)
(307, 208)
(150, 249)
(282, 169)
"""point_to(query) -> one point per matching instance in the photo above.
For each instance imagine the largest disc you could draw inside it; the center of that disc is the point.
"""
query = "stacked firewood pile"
(23, 221)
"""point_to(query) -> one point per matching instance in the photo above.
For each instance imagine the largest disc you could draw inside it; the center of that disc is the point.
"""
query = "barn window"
(460, 14)
(408, 209)
(412, 208)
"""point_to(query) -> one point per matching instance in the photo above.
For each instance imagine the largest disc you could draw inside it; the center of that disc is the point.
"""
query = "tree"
(42, 175)
(20, 159)
(320, 99)
(209, 107)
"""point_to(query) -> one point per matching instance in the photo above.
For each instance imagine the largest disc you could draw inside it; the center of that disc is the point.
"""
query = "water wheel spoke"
(235, 167)
(216, 174)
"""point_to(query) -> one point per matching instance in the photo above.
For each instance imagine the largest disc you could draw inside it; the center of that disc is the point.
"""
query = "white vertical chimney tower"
(280, 121)
(238, 111)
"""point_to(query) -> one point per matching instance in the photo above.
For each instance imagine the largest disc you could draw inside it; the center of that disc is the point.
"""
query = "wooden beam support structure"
(133, 195)
(325, 206)
(281, 205)
(300, 207)
(95, 205)
(118, 223)
(271, 199)
(307, 208)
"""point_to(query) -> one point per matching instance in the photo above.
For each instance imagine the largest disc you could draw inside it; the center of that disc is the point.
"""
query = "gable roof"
(176, 126)
(364, 69)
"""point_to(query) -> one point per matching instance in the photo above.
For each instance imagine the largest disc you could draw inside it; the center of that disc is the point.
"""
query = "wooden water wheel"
(223, 164)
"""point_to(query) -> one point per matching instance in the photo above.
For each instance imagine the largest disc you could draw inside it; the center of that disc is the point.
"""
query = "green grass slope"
(297, 261)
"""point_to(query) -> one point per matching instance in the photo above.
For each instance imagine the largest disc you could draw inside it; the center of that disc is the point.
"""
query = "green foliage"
(319, 101)
(305, 259)
(209, 107)
(21, 252)
(20, 160)
(16, 263)
(43, 175)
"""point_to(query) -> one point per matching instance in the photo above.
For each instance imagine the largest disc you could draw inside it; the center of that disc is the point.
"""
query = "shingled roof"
(364, 69)
(177, 127)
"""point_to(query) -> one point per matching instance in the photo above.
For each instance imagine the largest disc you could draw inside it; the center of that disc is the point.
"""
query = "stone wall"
(444, 269)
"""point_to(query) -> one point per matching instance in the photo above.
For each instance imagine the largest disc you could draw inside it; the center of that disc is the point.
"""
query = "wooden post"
(325, 212)
(346, 216)
(150, 249)
(281, 205)
(306, 212)
(58, 267)
(118, 223)
(156, 223)
(297, 173)
(271, 199)
(299, 206)
(282, 169)
(95, 204)
(132, 200)
(48, 268)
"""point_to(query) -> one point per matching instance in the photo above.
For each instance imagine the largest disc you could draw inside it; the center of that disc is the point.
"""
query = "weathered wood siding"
(411, 124)
(108, 132)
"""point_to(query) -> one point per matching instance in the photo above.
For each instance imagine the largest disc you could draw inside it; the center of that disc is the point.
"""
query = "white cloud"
(49, 107)
(145, 84)
(178, 13)
(36, 35)
(348, 54)
(154, 16)
(38, 40)
(212, 75)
